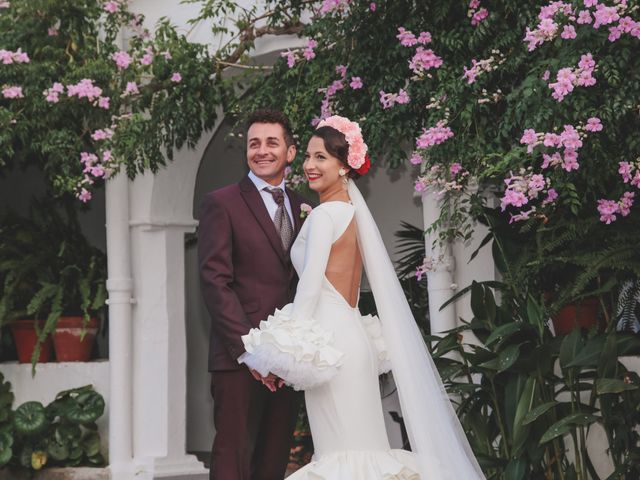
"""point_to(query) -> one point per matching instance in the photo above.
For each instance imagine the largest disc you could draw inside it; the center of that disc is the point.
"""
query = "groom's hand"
(271, 381)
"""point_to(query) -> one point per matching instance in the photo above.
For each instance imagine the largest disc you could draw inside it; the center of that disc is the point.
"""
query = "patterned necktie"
(281, 220)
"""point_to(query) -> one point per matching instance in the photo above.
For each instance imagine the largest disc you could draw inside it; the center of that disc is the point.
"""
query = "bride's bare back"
(344, 267)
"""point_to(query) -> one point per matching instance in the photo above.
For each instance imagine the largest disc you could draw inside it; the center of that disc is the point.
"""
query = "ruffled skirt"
(353, 465)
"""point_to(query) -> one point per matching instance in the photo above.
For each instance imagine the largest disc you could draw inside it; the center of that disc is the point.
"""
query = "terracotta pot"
(583, 315)
(68, 341)
(25, 338)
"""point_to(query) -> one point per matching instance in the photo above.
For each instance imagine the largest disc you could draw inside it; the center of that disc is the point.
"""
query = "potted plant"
(53, 276)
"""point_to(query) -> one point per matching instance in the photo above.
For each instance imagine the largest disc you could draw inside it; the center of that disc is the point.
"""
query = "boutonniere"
(305, 210)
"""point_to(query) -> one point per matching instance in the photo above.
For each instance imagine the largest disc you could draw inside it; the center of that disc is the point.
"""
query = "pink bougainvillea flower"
(568, 32)
(131, 89)
(584, 17)
(513, 197)
(625, 203)
(529, 137)
(102, 134)
(415, 159)
(111, 7)
(84, 195)
(479, 16)
(309, 52)
(103, 102)
(341, 70)
(604, 15)
(424, 60)
(455, 168)
(12, 92)
(372, 6)
(356, 83)
(291, 58)
(626, 170)
(407, 39)
(593, 125)
(52, 31)
(570, 160)
(176, 77)
(122, 59)
(552, 195)
(434, 135)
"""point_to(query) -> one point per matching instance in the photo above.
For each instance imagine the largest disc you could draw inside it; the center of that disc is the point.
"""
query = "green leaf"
(516, 469)
(533, 415)
(565, 425)
(6, 452)
(525, 404)
(503, 332)
(613, 385)
(570, 347)
(30, 418)
(589, 356)
(91, 444)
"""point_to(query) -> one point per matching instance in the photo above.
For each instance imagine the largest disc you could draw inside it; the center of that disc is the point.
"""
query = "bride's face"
(320, 167)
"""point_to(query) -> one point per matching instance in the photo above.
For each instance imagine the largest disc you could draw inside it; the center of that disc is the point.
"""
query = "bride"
(322, 344)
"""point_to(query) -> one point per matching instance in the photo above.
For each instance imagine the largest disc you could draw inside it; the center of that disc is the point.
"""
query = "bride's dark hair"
(336, 144)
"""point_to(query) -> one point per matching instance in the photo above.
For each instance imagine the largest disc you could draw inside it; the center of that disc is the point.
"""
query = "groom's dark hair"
(269, 115)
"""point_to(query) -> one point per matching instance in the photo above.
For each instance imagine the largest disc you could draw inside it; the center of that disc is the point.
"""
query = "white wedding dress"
(323, 345)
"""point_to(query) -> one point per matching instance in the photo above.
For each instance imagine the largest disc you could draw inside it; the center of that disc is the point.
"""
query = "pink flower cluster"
(52, 95)
(570, 139)
(388, 100)
(434, 135)
(329, 6)
(424, 60)
(408, 39)
(551, 18)
(524, 188)
(12, 92)
(608, 209)
(8, 57)
(337, 85)
(308, 53)
(476, 13)
(130, 89)
(122, 59)
(95, 167)
(428, 265)
(481, 66)
(86, 89)
(102, 134)
(5, 5)
(568, 78)
(353, 134)
(450, 180)
(111, 6)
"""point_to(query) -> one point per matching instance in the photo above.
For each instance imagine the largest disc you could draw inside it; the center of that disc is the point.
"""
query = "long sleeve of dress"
(290, 343)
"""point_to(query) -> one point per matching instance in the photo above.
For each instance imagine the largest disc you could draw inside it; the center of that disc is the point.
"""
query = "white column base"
(187, 467)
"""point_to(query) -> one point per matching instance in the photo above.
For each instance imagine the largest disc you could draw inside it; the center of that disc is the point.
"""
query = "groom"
(245, 232)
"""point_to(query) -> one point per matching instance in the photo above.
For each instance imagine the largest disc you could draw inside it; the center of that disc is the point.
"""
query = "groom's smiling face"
(267, 151)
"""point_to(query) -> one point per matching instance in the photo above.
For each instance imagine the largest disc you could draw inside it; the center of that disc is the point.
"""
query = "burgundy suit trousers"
(252, 427)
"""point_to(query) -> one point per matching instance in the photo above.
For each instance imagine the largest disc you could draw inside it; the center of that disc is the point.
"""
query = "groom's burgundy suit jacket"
(245, 273)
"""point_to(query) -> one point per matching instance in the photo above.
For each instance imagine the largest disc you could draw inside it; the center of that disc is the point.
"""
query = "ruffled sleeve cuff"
(297, 350)
(373, 327)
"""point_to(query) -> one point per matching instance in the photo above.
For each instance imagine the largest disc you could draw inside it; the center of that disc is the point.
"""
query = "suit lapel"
(254, 201)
